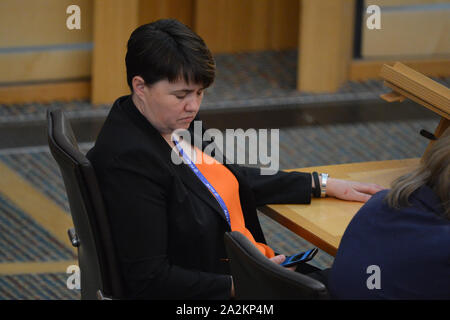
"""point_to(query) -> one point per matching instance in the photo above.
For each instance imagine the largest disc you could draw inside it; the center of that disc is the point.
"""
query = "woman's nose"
(193, 104)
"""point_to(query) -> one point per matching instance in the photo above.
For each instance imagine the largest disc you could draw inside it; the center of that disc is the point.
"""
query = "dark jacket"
(167, 226)
(410, 248)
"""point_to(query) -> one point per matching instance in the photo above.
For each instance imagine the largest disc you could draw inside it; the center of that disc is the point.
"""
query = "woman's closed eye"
(181, 97)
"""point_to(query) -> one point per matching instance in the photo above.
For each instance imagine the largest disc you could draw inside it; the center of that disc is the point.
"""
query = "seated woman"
(398, 245)
(168, 220)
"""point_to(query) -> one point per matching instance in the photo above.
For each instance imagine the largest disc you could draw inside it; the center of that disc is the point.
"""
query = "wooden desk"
(324, 221)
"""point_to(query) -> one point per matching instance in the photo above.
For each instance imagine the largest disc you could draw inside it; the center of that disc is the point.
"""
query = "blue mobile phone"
(299, 258)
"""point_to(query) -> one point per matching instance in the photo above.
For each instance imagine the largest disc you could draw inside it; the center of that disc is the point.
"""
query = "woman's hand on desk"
(351, 190)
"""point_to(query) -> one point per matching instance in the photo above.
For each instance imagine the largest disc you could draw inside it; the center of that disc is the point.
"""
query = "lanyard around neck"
(204, 181)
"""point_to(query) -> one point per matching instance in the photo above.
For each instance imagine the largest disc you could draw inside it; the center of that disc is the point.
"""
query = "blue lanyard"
(205, 181)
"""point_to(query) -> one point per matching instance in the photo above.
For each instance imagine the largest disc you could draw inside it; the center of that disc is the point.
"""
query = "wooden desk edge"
(407, 161)
(302, 232)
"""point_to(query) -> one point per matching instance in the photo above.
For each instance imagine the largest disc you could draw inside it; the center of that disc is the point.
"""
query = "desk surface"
(324, 221)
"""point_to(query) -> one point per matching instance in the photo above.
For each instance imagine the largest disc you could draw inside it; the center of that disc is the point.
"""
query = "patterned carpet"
(45, 286)
(25, 240)
(34, 214)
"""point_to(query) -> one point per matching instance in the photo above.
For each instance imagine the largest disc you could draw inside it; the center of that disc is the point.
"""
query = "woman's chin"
(182, 126)
(185, 124)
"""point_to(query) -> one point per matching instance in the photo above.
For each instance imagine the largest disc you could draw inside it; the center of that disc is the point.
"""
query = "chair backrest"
(99, 268)
(256, 277)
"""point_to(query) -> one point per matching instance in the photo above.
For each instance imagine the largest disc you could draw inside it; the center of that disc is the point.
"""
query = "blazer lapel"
(196, 186)
(182, 170)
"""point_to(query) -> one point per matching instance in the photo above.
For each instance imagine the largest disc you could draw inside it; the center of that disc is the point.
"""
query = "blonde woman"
(398, 245)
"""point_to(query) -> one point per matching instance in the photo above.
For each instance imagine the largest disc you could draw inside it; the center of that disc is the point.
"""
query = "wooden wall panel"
(43, 22)
(151, 10)
(44, 66)
(284, 30)
(113, 23)
(326, 39)
(36, 45)
(232, 26)
(362, 70)
(410, 33)
(386, 3)
(45, 92)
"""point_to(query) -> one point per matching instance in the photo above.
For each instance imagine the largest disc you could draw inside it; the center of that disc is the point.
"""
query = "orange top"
(226, 184)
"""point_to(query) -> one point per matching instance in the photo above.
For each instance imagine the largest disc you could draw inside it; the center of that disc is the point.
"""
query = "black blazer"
(167, 227)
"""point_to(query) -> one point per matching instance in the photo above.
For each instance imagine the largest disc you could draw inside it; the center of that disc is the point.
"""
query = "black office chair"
(99, 268)
(256, 277)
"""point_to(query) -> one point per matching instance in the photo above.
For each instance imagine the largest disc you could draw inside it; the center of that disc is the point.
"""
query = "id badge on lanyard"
(204, 181)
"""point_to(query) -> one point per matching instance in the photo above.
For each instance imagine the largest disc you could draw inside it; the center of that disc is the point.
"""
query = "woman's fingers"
(369, 188)
(360, 197)
(352, 190)
(278, 259)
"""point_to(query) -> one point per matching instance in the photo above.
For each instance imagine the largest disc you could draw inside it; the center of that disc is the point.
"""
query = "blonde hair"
(433, 171)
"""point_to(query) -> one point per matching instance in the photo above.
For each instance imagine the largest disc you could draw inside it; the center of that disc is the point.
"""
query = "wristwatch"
(323, 185)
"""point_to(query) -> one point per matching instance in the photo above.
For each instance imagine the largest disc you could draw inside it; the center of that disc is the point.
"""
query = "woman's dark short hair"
(168, 50)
